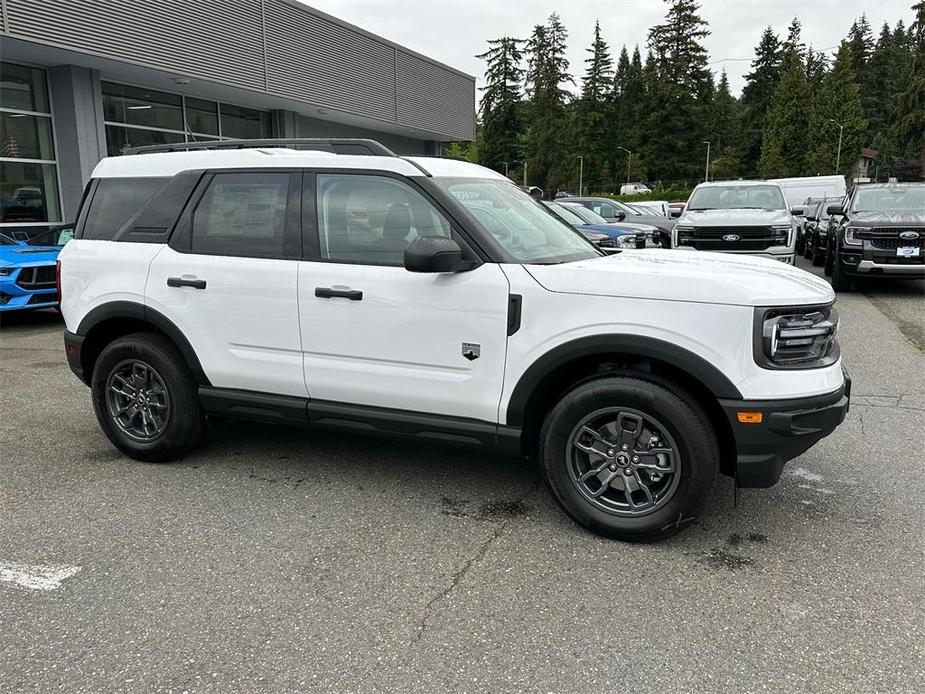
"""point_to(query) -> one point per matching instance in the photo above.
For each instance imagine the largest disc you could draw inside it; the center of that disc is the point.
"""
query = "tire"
(840, 281)
(147, 366)
(808, 248)
(800, 244)
(829, 261)
(682, 427)
(817, 257)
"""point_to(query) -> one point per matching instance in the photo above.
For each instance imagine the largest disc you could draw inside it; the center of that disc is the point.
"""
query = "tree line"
(649, 118)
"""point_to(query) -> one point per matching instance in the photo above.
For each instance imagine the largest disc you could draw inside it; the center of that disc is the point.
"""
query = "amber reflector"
(750, 417)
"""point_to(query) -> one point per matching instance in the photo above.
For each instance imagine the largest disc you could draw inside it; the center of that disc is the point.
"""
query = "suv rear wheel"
(145, 398)
(630, 457)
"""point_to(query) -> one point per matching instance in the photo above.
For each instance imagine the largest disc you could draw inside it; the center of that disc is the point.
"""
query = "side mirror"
(835, 209)
(797, 211)
(435, 254)
(619, 215)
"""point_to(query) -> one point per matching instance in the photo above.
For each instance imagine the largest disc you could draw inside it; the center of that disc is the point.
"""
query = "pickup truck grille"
(888, 238)
(721, 238)
(40, 277)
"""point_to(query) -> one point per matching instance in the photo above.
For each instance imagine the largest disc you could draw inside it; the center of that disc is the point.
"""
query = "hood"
(637, 226)
(657, 221)
(609, 229)
(734, 218)
(888, 218)
(691, 276)
(28, 255)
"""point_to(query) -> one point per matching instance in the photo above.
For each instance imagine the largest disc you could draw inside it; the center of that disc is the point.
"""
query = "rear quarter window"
(115, 201)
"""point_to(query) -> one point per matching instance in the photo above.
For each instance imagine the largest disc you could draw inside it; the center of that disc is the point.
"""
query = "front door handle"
(330, 293)
(184, 282)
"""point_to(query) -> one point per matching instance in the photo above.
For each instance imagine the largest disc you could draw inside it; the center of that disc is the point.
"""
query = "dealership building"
(83, 79)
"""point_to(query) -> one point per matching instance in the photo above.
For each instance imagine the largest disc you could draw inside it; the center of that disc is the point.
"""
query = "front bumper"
(787, 429)
(15, 298)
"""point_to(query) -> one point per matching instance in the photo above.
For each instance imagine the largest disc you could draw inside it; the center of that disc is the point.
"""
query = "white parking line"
(34, 576)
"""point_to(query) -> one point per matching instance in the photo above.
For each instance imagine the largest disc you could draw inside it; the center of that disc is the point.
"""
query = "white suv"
(431, 298)
(750, 217)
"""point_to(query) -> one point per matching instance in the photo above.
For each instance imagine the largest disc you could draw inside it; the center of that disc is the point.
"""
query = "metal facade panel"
(217, 40)
(431, 97)
(314, 59)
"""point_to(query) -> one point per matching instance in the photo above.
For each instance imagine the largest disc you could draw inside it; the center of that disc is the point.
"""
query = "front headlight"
(796, 338)
(851, 236)
(781, 233)
(6, 271)
(627, 241)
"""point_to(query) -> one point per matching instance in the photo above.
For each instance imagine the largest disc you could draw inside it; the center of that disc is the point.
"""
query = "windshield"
(51, 237)
(565, 214)
(587, 216)
(522, 226)
(7, 241)
(752, 197)
(893, 199)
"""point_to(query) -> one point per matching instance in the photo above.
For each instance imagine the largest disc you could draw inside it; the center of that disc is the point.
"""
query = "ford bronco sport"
(358, 290)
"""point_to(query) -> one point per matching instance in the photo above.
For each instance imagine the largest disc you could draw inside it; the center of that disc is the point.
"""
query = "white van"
(634, 189)
(799, 189)
(660, 207)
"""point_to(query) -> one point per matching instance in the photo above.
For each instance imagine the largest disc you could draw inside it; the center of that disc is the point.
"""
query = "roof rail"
(335, 145)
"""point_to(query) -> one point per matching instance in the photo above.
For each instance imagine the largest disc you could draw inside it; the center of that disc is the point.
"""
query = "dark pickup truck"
(878, 231)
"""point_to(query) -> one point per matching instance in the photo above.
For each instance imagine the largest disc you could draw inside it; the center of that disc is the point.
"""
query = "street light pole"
(629, 161)
(706, 174)
(581, 173)
(505, 168)
(525, 173)
(841, 129)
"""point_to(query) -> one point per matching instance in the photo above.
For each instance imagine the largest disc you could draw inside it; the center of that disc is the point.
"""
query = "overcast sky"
(454, 31)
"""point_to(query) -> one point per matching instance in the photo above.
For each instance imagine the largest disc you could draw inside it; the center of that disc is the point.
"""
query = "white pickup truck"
(737, 217)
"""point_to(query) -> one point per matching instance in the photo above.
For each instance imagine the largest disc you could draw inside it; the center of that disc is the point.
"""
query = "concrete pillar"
(80, 138)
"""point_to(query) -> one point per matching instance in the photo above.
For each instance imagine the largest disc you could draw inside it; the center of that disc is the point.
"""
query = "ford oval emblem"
(731, 237)
(909, 235)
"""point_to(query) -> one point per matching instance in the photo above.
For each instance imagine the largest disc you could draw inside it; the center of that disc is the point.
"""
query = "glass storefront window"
(23, 88)
(244, 123)
(25, 137)
(28, 193)
(120, 139)
(145, 107)
(202, 116)
(28, 171)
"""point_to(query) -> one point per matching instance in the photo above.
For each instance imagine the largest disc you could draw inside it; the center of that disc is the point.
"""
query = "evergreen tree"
(817, 64)
(910, 113)
(547, 72)
(838, 100)
(759, 88)
(785, 133)
(724, 117)
(592, 113)
(794, 40)
(629, 110)
(501, 103)
(675, 120)
(861, 43)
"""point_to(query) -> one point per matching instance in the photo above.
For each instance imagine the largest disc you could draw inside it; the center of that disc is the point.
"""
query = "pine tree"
(785, 132)
(910, 112)
(724, 116)
(547, 72)
(675, 119)
(501, 103)
(794, 40)
(861, 43)
(838, 103)
(817, 64)
(593, 111)
(759, 88)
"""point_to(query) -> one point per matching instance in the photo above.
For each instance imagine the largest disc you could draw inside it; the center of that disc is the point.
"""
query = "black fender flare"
(136, 311)
(632, 345)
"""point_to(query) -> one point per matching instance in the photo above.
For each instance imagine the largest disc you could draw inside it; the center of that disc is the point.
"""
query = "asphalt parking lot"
(279, 560)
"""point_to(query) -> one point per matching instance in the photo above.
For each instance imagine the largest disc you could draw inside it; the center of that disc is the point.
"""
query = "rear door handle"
(184, 282)
(331, 293)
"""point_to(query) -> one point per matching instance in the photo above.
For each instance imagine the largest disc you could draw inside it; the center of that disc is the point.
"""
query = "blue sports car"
(27, 269)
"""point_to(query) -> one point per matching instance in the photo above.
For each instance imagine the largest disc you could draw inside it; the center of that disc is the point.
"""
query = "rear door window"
(115, 201)
(245, 214)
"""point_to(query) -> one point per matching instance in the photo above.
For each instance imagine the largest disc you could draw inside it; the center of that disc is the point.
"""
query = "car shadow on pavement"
(11, 320)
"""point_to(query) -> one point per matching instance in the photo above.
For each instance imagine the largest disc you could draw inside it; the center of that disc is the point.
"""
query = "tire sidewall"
(184, 420)
(697, 455)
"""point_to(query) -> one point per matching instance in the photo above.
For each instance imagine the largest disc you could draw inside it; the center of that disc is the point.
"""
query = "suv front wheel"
(146, 399)
(630, 456)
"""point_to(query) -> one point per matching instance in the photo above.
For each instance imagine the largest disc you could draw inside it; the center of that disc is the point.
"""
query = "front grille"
(39, 277)
(890, 244)
(606, 242)
(749, 238)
